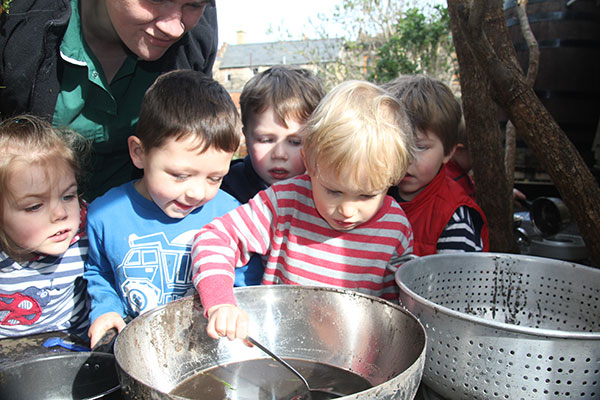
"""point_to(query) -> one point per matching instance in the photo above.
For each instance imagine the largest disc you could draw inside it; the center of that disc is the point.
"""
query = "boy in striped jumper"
(333, 226)
(443, 216)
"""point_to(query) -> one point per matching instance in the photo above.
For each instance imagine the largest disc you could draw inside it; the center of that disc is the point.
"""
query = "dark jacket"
(30, 38)
(242, 182)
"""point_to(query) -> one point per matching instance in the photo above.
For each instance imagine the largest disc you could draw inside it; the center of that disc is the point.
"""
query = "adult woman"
(87, 64)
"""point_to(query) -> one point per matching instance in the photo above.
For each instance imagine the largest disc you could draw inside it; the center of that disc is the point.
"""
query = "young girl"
(42, 240)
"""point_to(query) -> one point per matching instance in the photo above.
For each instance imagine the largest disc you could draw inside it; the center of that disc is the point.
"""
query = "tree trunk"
(488, 42)
(484, 139)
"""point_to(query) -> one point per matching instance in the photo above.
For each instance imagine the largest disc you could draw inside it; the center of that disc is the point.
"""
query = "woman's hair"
(31, 140)
(186, 103)
(431, 106)
(357, 131)
(293, 92)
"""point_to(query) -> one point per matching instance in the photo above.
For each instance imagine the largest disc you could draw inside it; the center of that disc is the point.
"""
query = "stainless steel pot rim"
(537, 332)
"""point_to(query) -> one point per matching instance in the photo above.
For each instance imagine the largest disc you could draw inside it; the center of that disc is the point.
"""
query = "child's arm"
(222, 245)
(107, 309)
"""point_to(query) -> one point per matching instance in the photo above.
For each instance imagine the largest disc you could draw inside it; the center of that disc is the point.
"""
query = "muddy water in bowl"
(265, 378)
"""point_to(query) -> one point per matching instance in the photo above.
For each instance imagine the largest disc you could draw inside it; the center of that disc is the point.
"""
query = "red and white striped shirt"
(298, 246)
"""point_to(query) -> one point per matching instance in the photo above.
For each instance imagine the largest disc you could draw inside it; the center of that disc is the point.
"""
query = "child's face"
(342, 205)
(429, 158)
(43, 213)
(273, 148)
(177, 178)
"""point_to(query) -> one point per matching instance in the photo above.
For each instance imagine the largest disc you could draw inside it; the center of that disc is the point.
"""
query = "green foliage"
(4, 5)
(418, 44)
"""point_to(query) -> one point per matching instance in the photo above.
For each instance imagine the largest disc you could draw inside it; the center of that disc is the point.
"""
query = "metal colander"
(505, 326)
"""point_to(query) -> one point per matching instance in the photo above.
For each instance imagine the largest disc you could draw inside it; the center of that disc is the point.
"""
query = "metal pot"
(84, 375)
(504, 326)
(371, 337)
(549, 215)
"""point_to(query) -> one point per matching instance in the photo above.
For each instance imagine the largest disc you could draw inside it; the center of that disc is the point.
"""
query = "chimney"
(241, 37)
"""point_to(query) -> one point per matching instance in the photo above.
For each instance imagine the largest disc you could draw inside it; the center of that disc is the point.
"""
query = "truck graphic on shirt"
(155, 271)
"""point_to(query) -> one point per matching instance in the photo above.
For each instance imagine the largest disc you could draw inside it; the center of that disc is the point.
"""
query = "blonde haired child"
(333, 226)
(42, 242)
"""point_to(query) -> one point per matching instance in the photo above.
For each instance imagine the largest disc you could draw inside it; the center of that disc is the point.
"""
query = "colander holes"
(558, 381)
(549, 369)
(569, 382)
(560, 370)
(571, 371)
(536, 379)
(538, 368)
(525, 377)
(550, 358)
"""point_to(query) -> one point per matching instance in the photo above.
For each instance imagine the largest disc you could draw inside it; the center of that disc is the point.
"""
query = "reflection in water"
(266, 379)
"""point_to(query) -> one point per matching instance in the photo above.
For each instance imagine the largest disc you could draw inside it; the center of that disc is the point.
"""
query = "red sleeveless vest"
(431, 210)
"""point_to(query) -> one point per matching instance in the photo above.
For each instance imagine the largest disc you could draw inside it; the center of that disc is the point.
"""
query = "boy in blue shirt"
(141, 232)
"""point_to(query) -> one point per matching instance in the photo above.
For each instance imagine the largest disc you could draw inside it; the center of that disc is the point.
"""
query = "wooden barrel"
(568, 80)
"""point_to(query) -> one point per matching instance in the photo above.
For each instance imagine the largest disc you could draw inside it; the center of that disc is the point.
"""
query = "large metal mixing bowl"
(371, 337)
(505, 326)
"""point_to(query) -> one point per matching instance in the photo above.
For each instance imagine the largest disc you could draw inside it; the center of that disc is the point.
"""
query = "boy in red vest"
(443, 216)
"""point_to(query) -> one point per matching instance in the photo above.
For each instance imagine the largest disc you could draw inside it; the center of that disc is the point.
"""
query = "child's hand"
(102, 324)
(227, 320)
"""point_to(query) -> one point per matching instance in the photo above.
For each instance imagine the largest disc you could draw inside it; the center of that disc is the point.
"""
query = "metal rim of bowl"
(404, 310)
(551, 333)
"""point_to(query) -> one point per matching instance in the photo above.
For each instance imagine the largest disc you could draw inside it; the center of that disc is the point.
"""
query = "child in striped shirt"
(443, 216)
(333, 226)
(43, 245)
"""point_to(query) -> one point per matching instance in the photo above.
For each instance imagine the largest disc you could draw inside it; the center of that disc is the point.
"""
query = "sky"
(255, 16)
